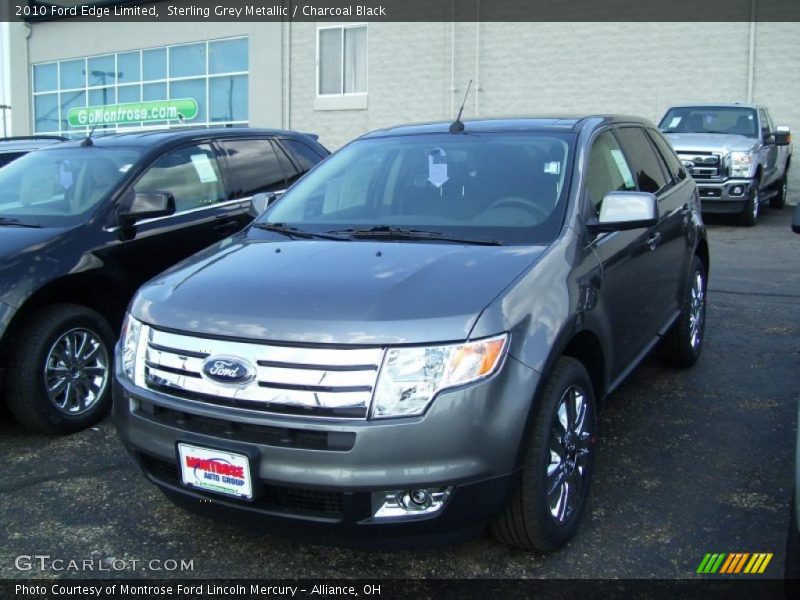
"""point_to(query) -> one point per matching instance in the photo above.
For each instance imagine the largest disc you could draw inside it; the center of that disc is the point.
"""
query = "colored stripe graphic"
(730, 563)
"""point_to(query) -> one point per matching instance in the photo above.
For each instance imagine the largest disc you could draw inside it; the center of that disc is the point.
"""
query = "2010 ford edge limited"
(416, 338)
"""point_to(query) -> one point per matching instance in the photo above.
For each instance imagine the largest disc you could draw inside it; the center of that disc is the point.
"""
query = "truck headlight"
(131, 331)
(740, 164)
(411, 377)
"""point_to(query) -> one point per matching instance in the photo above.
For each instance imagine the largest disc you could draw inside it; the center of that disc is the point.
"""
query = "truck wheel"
(58, 379)
(749, 216)
(545, 510)
(683, 343)
(779, 199)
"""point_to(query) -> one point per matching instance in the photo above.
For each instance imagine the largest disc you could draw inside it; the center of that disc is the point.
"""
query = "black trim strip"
(287, 365)
(172, 370)
(315, 388)
(188, 353)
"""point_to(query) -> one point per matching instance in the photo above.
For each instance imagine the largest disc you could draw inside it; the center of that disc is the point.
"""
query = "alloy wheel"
(76, 371)
(697, 310)
(570, 448)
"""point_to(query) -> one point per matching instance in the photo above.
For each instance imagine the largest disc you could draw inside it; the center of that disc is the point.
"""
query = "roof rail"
(18, 138)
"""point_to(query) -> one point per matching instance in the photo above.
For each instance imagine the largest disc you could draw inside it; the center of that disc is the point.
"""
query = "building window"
(342, 61)
(215, 73)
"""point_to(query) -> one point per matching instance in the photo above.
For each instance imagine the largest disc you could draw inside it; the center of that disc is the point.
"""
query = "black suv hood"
(359, 292)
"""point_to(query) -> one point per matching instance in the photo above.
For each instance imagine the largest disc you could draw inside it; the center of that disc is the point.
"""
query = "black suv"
(84, 223)
(12, 148)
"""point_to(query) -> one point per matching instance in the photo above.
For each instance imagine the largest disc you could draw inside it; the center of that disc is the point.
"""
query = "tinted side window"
(292, 174)
(254, 167)
(766, 126)
(7, 157)
(649, 174)
(305, 156)
(673, 164)
(191, 174)
(607, 170)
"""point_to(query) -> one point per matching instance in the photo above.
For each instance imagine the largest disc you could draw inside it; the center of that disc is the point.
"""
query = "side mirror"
(782, 136)
(796, 221)
(261, 202)
(148, 206)
(622, 211)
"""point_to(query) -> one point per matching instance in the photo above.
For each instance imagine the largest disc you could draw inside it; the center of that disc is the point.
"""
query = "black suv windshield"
(57, 188)
(509, 188)
(710, 119)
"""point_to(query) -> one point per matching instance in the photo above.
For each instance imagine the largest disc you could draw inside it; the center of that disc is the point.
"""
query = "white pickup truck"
(738, 157)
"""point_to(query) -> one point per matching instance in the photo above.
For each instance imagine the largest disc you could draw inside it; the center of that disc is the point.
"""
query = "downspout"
(31, 114)
(453, 59)
(289, 71)
(477, 56)
(751, 52)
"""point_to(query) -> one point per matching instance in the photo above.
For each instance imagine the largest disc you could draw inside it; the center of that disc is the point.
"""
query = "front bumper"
(725, 197)
(324, 475)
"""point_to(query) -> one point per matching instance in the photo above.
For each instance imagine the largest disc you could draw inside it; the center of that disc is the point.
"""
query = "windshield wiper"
(294, 232)
(399, 233)
(9, 222)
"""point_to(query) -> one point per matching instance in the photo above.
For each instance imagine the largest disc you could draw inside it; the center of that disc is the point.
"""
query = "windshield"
(508, 187)
(56, 188)
(710, 119)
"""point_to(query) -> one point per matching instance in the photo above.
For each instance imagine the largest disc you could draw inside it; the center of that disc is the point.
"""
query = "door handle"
(652, 241)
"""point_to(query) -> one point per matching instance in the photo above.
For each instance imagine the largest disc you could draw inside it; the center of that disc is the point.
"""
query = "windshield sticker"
(552, 167)
(204, 168)
(437, 167)
(675, 122)
(125, 168)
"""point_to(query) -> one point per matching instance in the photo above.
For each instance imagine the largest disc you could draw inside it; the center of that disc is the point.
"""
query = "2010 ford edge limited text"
(415, 340)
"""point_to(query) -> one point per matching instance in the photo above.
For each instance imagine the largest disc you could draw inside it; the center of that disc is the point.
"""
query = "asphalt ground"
(688, 462)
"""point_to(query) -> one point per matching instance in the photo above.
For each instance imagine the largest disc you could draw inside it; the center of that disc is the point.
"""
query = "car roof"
(155, 138)
(717, 105)
(17, 144)
(569, 123)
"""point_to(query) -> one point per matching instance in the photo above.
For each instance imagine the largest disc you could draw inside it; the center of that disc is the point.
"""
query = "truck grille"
(308, 380)
(702, 165)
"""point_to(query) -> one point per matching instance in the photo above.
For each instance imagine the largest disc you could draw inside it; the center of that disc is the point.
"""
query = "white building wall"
(561, 68)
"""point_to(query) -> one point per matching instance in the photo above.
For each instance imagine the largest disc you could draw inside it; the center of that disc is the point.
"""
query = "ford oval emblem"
(228, 369)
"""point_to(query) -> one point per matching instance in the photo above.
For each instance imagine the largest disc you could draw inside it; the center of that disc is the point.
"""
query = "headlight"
(131, 330)
(411, 377)
(740, 164)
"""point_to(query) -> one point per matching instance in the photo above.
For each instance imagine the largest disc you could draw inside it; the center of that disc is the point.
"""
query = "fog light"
(737, 190)
(408, 503)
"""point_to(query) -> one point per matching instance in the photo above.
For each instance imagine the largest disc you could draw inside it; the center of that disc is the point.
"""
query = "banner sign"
(133, 112)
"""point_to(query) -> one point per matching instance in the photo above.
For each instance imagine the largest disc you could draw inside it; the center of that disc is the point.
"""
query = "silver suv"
(416, 339)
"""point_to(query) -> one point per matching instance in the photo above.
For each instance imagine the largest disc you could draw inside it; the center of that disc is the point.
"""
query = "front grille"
(286, 437)
(298, 380)
(273, 498)
(702, 165)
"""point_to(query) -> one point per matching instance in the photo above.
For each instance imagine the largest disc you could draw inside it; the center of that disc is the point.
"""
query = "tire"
(779, 199)
(530, 520)
(683, 343)
(749, 215)
(70, 348)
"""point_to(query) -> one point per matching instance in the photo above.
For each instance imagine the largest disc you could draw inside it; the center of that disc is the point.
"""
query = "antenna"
(457, 126)
(88, 141)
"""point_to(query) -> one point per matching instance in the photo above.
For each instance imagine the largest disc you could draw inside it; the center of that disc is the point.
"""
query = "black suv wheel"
(545, 510)
(684, 341)
(59, 377)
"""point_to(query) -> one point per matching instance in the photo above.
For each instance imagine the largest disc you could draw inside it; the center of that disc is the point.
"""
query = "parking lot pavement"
(689, 462)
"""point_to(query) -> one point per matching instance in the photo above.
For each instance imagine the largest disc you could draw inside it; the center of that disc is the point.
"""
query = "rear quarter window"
(304, 155)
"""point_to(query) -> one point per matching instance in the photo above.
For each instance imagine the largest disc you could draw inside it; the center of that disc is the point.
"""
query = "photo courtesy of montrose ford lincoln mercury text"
(417, 338)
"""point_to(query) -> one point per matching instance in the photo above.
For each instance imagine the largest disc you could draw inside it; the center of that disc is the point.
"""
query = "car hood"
(15, 240)
(710, 142)
(315, 291)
